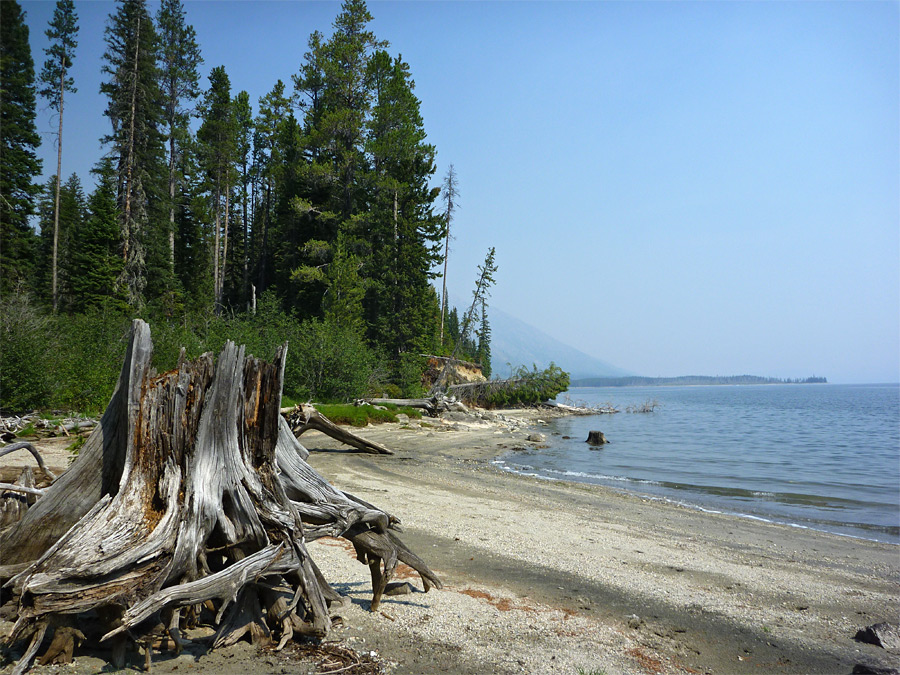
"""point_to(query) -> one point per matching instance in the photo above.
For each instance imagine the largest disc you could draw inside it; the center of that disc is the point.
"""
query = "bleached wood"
(193, 493)
(24, 445)
(306, 417)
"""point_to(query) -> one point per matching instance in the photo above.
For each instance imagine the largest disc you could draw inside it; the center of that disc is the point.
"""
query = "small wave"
(889, 534)
(600, 476)
(831, 527)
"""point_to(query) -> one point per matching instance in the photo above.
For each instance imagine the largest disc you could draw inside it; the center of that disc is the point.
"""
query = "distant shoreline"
(637, 381)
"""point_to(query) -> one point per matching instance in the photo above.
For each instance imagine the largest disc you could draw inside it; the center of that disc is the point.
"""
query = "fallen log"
(434, 405)
(423, 403)
(305, 417)
(191, 501)
(24, 445)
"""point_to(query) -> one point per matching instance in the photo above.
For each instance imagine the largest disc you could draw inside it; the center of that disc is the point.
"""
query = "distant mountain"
(515, 342)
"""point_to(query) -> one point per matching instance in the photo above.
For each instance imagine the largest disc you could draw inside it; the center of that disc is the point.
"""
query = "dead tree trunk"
(192, 489)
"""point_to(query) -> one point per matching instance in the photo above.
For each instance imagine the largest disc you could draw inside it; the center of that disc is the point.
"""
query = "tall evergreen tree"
(93, 263)
(218, 142)
(334, 80)
(193, 261)
(71, 211)
(404, 231)
(134, 109)
(243, 120)
(179, 61)
(274, 113)
(55, 79)
(19, 140)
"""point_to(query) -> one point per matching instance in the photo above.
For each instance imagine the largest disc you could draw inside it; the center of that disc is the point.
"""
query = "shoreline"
(690, 505)
(705, 592)
(556, 576)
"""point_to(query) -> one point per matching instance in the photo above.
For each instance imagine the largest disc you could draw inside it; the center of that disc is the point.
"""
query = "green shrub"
(408, 377)
(26, 355)
(91, 348)
(525, 387)
(327, 362)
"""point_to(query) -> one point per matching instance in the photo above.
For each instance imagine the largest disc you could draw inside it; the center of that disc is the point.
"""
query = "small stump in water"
(596, 438)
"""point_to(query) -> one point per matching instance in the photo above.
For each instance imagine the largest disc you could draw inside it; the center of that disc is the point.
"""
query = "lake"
(825, 457)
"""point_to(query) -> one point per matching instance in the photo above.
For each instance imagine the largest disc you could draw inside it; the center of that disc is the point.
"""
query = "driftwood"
(23, 445)
(433, 405)
(305, 417)
(15, 499)
(603, 409)
(191, 501)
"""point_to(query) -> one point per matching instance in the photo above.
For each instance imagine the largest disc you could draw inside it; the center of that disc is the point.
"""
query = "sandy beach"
(555, 577)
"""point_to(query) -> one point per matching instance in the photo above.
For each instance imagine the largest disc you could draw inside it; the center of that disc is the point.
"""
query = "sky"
(673, 187)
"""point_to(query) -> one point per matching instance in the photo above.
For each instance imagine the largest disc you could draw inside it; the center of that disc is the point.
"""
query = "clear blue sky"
(676, 188)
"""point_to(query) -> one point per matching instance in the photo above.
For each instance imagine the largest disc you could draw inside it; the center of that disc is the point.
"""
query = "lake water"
(825, 457)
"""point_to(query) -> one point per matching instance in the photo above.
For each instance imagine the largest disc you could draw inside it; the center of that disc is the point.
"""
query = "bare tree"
(56, 80)
(450, 191)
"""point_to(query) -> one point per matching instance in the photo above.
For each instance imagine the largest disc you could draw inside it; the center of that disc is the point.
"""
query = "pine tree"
(94, 264)
(243, 119)
(404, 232)
(274, 113)
(134, 109)
(193, 261)
(72, 211)
(342, 301)
(179, 60)
(218, 143)
(483, 351)
(18, 144)
(62, 33)
(335, 79)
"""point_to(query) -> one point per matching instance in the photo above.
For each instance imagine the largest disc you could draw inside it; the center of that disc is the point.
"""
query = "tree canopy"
(316, 203)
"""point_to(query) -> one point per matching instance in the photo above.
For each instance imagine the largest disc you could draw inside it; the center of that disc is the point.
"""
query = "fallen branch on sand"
(24, 445)
(305, 417)
(190, 502)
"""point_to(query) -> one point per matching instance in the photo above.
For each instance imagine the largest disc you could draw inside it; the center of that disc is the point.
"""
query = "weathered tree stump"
(191, 495)
(596, 438)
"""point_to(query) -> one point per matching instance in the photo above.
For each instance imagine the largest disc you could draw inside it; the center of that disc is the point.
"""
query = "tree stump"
(192, 492)
(596, 438)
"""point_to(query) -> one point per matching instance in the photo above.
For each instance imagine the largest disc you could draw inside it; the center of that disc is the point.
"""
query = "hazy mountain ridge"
(517, 343)
(690, 380)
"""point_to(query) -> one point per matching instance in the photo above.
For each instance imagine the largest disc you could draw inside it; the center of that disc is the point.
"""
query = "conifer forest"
(312, 216)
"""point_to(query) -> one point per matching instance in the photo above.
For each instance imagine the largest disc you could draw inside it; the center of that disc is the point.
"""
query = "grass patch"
(358, 415)
(75, 446)
(355, 415)
(288, 402)
(27, 430)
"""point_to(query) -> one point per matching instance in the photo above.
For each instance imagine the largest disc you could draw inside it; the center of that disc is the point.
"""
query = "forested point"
(307, 216)
(634, 381)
